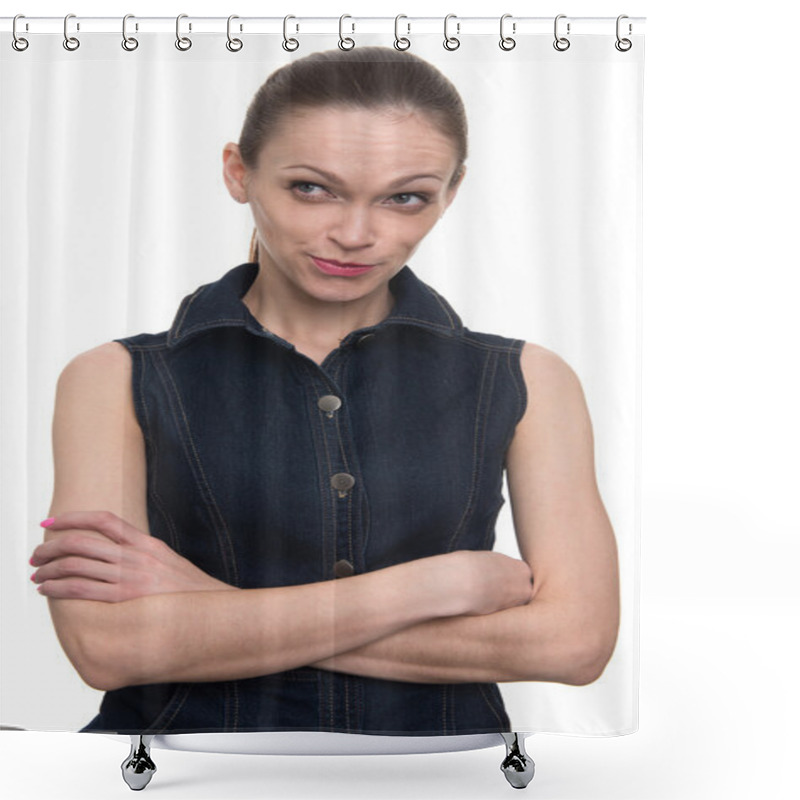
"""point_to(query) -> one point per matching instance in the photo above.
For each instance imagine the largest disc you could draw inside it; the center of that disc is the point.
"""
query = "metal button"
(329, 403)
(343, 482)
(343, 569)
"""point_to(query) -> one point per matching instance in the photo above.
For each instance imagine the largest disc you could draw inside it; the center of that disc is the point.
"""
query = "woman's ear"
(234, 172)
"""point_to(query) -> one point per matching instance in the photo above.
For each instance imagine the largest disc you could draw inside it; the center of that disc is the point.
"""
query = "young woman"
(279, 514)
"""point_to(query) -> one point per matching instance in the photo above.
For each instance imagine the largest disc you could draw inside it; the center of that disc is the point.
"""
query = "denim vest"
(266, 469)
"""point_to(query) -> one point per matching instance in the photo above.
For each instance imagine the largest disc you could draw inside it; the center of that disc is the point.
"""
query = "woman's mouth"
(340, 268)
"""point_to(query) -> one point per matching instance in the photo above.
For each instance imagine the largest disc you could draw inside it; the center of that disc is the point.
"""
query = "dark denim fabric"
(240, 457)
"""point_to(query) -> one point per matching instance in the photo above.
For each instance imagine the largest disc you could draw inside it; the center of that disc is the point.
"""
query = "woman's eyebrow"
(331, 178)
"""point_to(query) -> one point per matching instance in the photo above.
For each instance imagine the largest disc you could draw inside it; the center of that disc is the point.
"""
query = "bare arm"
(219, 634)
(567, 633)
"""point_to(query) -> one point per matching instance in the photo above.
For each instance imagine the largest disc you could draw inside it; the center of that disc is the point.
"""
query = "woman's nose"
(353, 228)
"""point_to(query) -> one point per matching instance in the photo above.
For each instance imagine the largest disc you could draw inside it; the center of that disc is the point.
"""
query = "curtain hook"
(70, 42)
(18, 42)
(129, 43)
(401, 43)
(506, 42)
(623, 45)
(182, 42)
(346, 43)
(451, 42)
(289, 45)
(561, 43)
(234, 45)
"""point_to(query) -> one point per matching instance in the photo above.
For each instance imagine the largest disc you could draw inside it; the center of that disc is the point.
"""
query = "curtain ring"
(182, 42)
(506, 42)
(345, 43)
(561, 43)
(70, 42)
(129, 43)
(18, 42)
(623, 45)
(451, 42)
(290, 45)
(401, 42)
(234, 45)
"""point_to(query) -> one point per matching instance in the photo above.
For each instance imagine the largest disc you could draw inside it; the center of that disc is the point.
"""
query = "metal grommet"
(19, 43)
(561, 43)
(289, 45)
(451, 42)
(234, 45)
(129, 43)
(401, 42)
(623, 45)
(506, 42)
(345, 42)
(182, 42)
(70, 42)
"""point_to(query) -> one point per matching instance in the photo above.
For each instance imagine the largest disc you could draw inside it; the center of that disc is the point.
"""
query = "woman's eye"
(313, 191)
(410, 199)
(306, 188)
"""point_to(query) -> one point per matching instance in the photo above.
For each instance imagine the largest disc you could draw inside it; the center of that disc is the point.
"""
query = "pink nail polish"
(47, 522)
(30, 560)
(33, 577)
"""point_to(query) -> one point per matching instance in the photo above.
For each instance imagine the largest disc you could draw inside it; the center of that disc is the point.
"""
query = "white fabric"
(113, 208)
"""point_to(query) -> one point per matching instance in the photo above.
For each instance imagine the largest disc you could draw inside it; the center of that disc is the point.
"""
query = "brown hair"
(363, 77)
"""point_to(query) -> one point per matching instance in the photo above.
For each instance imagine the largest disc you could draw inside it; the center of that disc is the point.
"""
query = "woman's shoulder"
(112, 357)
(545, 369)
(535, 358)
(100, 375)
(553, 388)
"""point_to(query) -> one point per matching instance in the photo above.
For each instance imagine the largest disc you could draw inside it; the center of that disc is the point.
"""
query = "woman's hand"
(480, 581)
(108, 559)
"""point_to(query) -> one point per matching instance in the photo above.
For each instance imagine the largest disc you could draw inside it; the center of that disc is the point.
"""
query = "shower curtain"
(114, 210)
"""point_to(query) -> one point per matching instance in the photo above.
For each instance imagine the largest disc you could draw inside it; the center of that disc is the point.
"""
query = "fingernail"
(30, 560)
(33, 577)
(47, 522)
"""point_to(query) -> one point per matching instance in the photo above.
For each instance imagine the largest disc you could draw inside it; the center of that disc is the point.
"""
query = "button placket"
(339, 452)
(343, 484)
(343, 524)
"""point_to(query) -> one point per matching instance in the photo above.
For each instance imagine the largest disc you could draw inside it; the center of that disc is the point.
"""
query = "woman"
(299, 479)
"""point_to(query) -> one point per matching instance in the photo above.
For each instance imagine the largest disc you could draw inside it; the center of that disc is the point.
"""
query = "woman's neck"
(310, 324)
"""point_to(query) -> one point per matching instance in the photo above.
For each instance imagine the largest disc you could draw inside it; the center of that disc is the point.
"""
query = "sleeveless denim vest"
(266, 469)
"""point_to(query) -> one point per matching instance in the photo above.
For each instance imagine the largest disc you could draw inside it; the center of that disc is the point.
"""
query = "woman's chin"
(328, 288)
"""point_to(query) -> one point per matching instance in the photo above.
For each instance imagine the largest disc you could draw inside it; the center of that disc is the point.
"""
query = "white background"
(719, 603)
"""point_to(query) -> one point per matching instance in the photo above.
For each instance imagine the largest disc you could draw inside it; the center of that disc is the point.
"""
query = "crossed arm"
(128, 610)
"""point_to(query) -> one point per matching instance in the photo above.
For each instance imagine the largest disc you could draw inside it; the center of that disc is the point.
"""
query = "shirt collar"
(219, 304)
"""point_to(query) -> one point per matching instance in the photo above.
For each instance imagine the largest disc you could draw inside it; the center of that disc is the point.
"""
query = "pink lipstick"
(341, 269)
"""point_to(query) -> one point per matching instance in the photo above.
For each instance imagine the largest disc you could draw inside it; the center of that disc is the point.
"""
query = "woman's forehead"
(400, 137)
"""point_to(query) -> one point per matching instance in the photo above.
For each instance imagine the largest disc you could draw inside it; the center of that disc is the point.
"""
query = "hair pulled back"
(361, 78)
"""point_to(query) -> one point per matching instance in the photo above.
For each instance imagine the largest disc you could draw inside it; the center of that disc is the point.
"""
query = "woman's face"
(341, 197)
